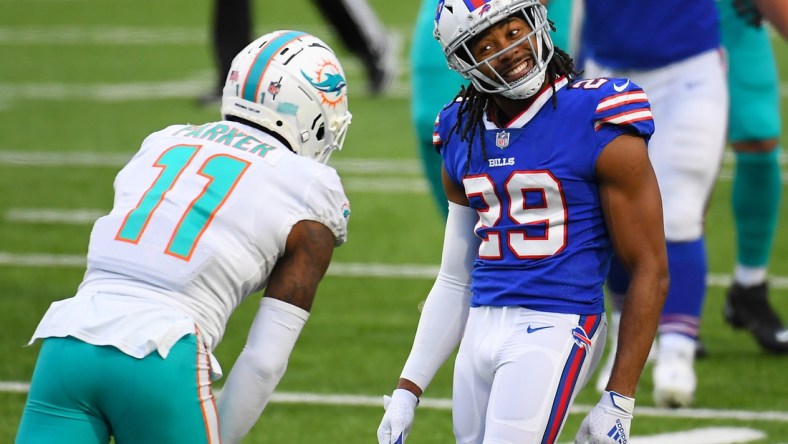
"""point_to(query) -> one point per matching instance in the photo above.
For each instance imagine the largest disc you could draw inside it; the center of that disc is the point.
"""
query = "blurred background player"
(204, 216)
(534, 214)
(754, 133)
(672, 50)
(356, 23)
(434, 85)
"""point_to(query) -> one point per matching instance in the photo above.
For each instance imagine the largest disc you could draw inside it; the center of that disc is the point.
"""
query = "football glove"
(398, 419)
(747, 10)
(608, 422)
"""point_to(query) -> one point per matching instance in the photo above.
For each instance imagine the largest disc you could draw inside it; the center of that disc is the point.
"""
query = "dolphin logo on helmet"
(332, 84)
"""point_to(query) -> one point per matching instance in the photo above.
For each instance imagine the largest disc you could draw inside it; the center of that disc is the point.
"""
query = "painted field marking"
(706, 435)
(445, 404)
(344, 166)
(339, 269)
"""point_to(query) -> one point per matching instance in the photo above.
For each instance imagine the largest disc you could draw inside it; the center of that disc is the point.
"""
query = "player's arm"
(442, 319)
(776, 13)
(445, 311)
(632, 207)
(283, 312)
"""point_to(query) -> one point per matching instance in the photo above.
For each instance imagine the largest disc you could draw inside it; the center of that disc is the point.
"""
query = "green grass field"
(84, 81)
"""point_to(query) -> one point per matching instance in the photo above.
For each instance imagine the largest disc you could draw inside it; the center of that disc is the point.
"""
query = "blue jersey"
(647, 34)
(544, 244)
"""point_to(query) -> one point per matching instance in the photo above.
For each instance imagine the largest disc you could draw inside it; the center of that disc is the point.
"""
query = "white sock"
(674, 344)
(749, 276)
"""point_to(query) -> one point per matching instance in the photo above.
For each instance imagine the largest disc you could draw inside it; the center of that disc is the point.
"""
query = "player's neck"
(506, 109)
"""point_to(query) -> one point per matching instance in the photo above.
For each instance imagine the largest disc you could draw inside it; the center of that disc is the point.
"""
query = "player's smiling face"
(515, 62)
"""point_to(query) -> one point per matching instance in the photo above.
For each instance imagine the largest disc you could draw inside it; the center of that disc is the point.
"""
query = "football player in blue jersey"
(753, 132)
(545, 177)
(434, 84)
(677, 59)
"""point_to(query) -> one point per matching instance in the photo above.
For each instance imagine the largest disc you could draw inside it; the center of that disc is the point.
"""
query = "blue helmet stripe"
(263, 59)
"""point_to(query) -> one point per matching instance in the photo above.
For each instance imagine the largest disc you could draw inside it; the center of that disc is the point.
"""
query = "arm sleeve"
(259, 367)
(445, 312)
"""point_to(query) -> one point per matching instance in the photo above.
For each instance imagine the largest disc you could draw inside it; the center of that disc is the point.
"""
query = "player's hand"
(748, 12)
(608, 421)
(398, 419)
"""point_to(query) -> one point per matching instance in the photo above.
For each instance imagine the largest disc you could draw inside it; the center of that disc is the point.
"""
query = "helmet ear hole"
(321, 132)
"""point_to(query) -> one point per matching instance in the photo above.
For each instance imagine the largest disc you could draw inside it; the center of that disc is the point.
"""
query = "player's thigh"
(539, 374)
(61, 404)
(505, 384)
(689, 102)
(473, 375)
(754, 87)
(169, 399)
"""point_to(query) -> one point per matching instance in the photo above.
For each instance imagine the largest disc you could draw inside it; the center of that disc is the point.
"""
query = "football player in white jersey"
(204, 216)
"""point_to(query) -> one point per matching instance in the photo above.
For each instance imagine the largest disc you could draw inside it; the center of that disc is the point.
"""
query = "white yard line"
(67, 35)
(38, 158)
(355, 166)
(445, 404)
(339, 269)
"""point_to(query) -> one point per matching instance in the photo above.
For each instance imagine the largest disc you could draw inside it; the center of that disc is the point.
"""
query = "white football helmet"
(457, 22)
(291, 83)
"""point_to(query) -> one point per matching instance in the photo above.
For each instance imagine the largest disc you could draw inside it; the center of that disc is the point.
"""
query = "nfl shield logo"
(274, 88)
(502, 139)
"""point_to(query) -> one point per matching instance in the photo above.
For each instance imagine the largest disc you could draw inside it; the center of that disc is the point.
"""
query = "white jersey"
(201, 215)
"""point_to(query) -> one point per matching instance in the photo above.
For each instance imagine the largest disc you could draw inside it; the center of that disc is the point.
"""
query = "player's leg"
(690, 101)
(164, 399)
(473, 374)
(753, 132)
(433, 85)
(363, 33)
(540, 362)
(61, 405)
(231, 31)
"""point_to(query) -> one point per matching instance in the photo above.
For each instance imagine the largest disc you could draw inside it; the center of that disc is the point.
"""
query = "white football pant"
(689, 102)
(518, 370)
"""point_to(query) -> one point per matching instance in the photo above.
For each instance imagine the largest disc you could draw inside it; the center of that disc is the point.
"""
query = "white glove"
(608, 422)
(398, 419)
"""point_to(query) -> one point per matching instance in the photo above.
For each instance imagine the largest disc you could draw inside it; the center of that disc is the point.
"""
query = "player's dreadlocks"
(474, 103)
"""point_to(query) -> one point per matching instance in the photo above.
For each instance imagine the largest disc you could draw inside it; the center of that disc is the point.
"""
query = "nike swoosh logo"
(532, 329)
(620, 88)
